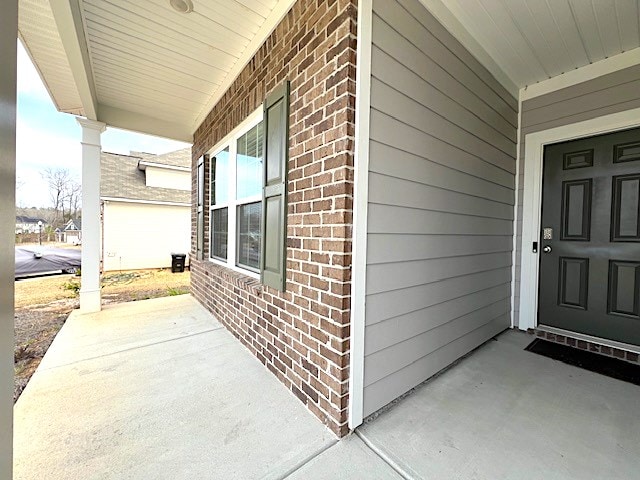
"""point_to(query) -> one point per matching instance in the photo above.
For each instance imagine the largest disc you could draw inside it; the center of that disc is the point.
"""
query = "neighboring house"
(146, 208)
(368, 182)
(72, 232)
(29, 224)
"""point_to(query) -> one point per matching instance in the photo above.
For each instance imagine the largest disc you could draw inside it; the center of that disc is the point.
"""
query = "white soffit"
(532, 41)
(39, 35)
(144, 66)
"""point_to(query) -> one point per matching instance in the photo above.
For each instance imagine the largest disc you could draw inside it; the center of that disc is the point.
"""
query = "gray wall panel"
(394, 331)
(441, 196)
(386, 248)
(390, 219)
(466, 69)
(438, 31)
(418, 62)
(407, 110)
(395, 275)
(608, 82)
(407, 138)
(386, 390)
(403, 79)
(406, 352)
(394, 303)
(589, 102)
(394, 191)
(419, 169)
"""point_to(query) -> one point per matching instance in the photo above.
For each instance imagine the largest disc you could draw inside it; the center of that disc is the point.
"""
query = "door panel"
(624, 283)
(626, 209)
(573, 282)
(590, 237)
(576, 210)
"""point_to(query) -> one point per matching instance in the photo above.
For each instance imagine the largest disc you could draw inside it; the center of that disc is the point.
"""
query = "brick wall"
(590, 346)
(301, 335)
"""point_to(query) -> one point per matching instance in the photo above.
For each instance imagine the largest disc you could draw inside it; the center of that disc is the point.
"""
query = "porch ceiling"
(524, 42)
(139, 64)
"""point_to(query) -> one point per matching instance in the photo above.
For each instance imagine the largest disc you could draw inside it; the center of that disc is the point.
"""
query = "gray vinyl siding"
(441, 195)
(604, 95)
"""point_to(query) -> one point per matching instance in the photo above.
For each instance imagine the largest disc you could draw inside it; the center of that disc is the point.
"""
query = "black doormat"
(611, 367)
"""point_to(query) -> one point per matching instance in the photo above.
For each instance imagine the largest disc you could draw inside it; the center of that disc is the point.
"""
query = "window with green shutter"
(247, 209)
(274, 196)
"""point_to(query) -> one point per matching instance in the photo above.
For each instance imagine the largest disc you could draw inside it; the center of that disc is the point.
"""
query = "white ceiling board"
(628, 17)
(532, 20)
(202, 53)
(584, 16)
(532, 41)
(505, 24)
(147, 60)
(124, 67)
(565, 25)
(608, 27)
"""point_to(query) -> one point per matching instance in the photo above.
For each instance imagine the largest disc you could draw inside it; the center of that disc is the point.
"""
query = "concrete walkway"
(158, 389)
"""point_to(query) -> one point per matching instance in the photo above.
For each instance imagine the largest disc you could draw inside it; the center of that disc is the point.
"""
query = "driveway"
(38, 260)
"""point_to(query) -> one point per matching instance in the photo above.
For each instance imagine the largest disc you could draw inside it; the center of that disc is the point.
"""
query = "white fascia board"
(143, 164)
(447, 17)
(582, 74)
(269, 25)
(138, 122)
(68, 18)
(145, 202)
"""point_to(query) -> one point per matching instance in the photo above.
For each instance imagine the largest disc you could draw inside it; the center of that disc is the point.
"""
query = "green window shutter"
(274, 192)
(200, 209)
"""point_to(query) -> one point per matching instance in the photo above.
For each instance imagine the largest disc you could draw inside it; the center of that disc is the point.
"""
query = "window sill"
(245, 280)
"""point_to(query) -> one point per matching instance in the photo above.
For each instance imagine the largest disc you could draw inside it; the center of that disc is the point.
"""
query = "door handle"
(547, 249)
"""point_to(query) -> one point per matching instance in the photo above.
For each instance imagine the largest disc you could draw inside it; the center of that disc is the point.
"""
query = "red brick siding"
(301, 335)
(590, 346)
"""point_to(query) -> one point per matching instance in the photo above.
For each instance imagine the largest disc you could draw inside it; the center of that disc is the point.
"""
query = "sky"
(48, 138)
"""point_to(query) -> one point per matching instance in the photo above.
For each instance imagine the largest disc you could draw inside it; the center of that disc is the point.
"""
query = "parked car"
(34, 261)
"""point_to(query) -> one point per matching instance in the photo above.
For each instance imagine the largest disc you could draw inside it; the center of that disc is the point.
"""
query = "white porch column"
(90, 298)
(8, 52)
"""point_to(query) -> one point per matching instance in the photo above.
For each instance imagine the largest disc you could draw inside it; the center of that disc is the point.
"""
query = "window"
(200, 209)
(236, 199)
(248, 208)
(219, 210)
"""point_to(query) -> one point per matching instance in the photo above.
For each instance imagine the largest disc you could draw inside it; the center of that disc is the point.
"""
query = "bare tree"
(58, 180)
(19, 185)
(72, 196)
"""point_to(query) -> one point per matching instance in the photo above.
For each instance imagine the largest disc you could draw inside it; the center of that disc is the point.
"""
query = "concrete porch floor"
(158, 389)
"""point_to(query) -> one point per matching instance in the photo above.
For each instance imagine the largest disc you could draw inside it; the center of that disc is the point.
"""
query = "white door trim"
(534, 150)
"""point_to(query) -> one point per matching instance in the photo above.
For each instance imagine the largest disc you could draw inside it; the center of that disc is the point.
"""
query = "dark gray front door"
(590, 237)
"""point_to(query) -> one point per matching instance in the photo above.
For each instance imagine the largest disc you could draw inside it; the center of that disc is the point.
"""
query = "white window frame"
(232, 204)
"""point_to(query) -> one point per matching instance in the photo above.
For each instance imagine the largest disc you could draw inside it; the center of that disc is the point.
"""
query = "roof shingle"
(120, 177)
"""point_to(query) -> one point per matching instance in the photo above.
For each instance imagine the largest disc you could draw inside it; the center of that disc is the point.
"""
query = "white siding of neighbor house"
(138, 236)
(611, 93)
(167, 178)
(441, 196)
